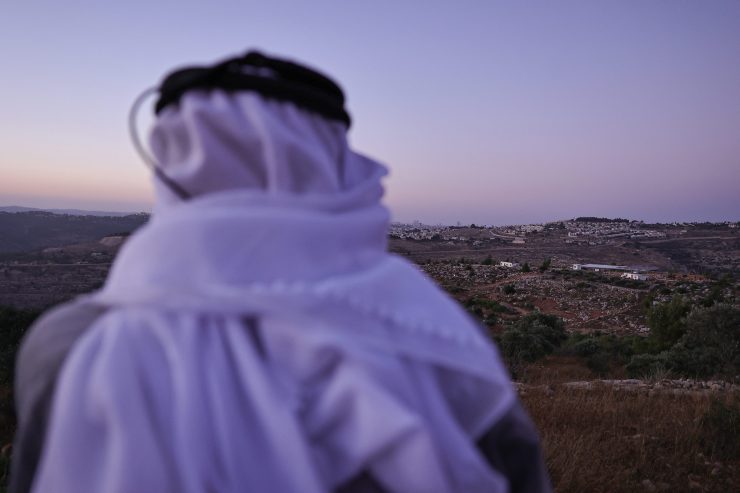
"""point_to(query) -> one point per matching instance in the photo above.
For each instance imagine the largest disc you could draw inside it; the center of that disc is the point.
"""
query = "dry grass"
(555, 369)
(614, 441)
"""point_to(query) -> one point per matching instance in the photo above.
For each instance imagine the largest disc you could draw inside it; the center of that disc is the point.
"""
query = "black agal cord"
(271, 77)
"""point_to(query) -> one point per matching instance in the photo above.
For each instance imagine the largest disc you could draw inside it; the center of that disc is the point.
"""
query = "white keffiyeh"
(260, 338)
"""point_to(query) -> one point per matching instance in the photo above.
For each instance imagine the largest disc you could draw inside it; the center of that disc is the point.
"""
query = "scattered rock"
(648, 485)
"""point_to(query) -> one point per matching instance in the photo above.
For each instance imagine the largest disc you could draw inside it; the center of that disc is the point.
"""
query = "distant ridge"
(37, 229)
(71, 212)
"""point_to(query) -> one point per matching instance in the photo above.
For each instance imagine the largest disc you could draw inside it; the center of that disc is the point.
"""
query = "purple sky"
(486, 112)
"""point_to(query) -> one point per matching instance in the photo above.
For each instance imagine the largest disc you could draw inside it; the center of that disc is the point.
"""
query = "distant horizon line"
(90, 212)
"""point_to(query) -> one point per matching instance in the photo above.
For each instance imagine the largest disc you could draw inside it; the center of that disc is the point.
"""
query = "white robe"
(260, 338)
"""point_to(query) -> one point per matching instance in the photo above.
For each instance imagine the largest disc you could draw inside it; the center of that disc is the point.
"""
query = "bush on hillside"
(549, 327)
(667, 322)
(601, 351)
(646, 365)
(709, 347)
(532, 337)
(711, 344)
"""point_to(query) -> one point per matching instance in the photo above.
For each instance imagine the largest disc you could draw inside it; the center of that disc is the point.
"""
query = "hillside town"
(574, 230)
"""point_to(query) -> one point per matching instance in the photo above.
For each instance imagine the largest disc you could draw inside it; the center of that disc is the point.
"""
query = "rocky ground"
(676, 387)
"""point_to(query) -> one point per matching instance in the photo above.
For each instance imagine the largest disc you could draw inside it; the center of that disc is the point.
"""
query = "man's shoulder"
(40, 358)
(47, 343)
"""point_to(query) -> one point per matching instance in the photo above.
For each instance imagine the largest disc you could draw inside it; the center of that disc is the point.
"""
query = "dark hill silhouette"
(72, 212)
(34, 230)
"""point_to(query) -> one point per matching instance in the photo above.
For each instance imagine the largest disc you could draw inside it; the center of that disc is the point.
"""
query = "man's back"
(256, 334)
(510, 446)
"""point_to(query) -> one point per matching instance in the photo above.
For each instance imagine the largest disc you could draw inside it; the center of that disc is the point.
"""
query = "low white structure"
(634, 276)
(508, 264)
(599, 267)
(112, 241)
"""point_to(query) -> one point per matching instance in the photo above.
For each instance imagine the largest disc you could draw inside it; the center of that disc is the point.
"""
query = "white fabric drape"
(260, 337)
(215, 141)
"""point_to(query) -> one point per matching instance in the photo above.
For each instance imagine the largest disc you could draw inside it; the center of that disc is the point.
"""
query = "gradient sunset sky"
(490, 112)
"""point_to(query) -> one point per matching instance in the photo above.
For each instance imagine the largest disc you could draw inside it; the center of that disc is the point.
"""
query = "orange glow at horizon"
(76, 184)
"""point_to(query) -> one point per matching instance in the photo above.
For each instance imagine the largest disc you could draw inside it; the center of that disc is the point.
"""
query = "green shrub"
(499, 308)
(549, 327)
(619, 348)
(645, 365)
(699, 362)
(601, 351)
(532, 337)
(641, 345)
(667, 322)
(709, 347)
(711, 344)
(586, 347)
(517, 345)
(486, 310)
(714, 296)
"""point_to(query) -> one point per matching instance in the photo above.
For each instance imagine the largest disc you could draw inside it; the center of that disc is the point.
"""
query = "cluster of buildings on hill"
(609, 230)
(576, 231)
(418, 231)
(522, 229)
